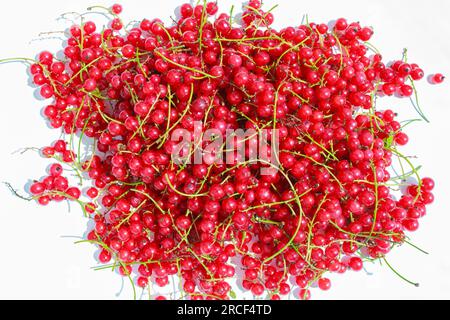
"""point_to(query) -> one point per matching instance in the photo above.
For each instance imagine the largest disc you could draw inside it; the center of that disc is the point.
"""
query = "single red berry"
(89, 27)
(45, 57)
(428, 184)
(61, 183)
(438, 78)
(90, 207)
(142, 282)
(92, 193)
(406, 90)
(90, 85)
(186, 10)
(128, 51)
(45, 200)
(60, 146)
(47, 91)
(304, 294)
(401, 138)
(73, 193)
(257, 289)
(37, 188)
(104, 256)
(56, 170)
(212, 8)
(48, 152)
(355, 263)
(116, 8)
(341, 24)
(116, 24)
(36, 69)
(324, 284)
(417, 74)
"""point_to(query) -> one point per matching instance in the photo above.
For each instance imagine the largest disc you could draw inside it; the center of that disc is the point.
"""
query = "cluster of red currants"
(328, 206)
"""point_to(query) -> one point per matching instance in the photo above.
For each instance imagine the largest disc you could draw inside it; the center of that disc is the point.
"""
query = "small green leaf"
(232, 294)
(389, 141)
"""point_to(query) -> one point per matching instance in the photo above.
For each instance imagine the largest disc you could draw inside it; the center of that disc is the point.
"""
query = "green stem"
(399, 275)
(18, 60)
(416, 104)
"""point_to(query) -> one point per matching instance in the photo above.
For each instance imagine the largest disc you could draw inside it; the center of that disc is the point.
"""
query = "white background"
(37, 256)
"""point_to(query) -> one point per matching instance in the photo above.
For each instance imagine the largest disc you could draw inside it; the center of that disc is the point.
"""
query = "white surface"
(39, 261)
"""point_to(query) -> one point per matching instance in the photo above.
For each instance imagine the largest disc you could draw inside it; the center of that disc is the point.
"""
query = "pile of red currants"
(327, 200)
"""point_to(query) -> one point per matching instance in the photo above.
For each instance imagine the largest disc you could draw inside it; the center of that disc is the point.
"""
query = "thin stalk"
(399, 275)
